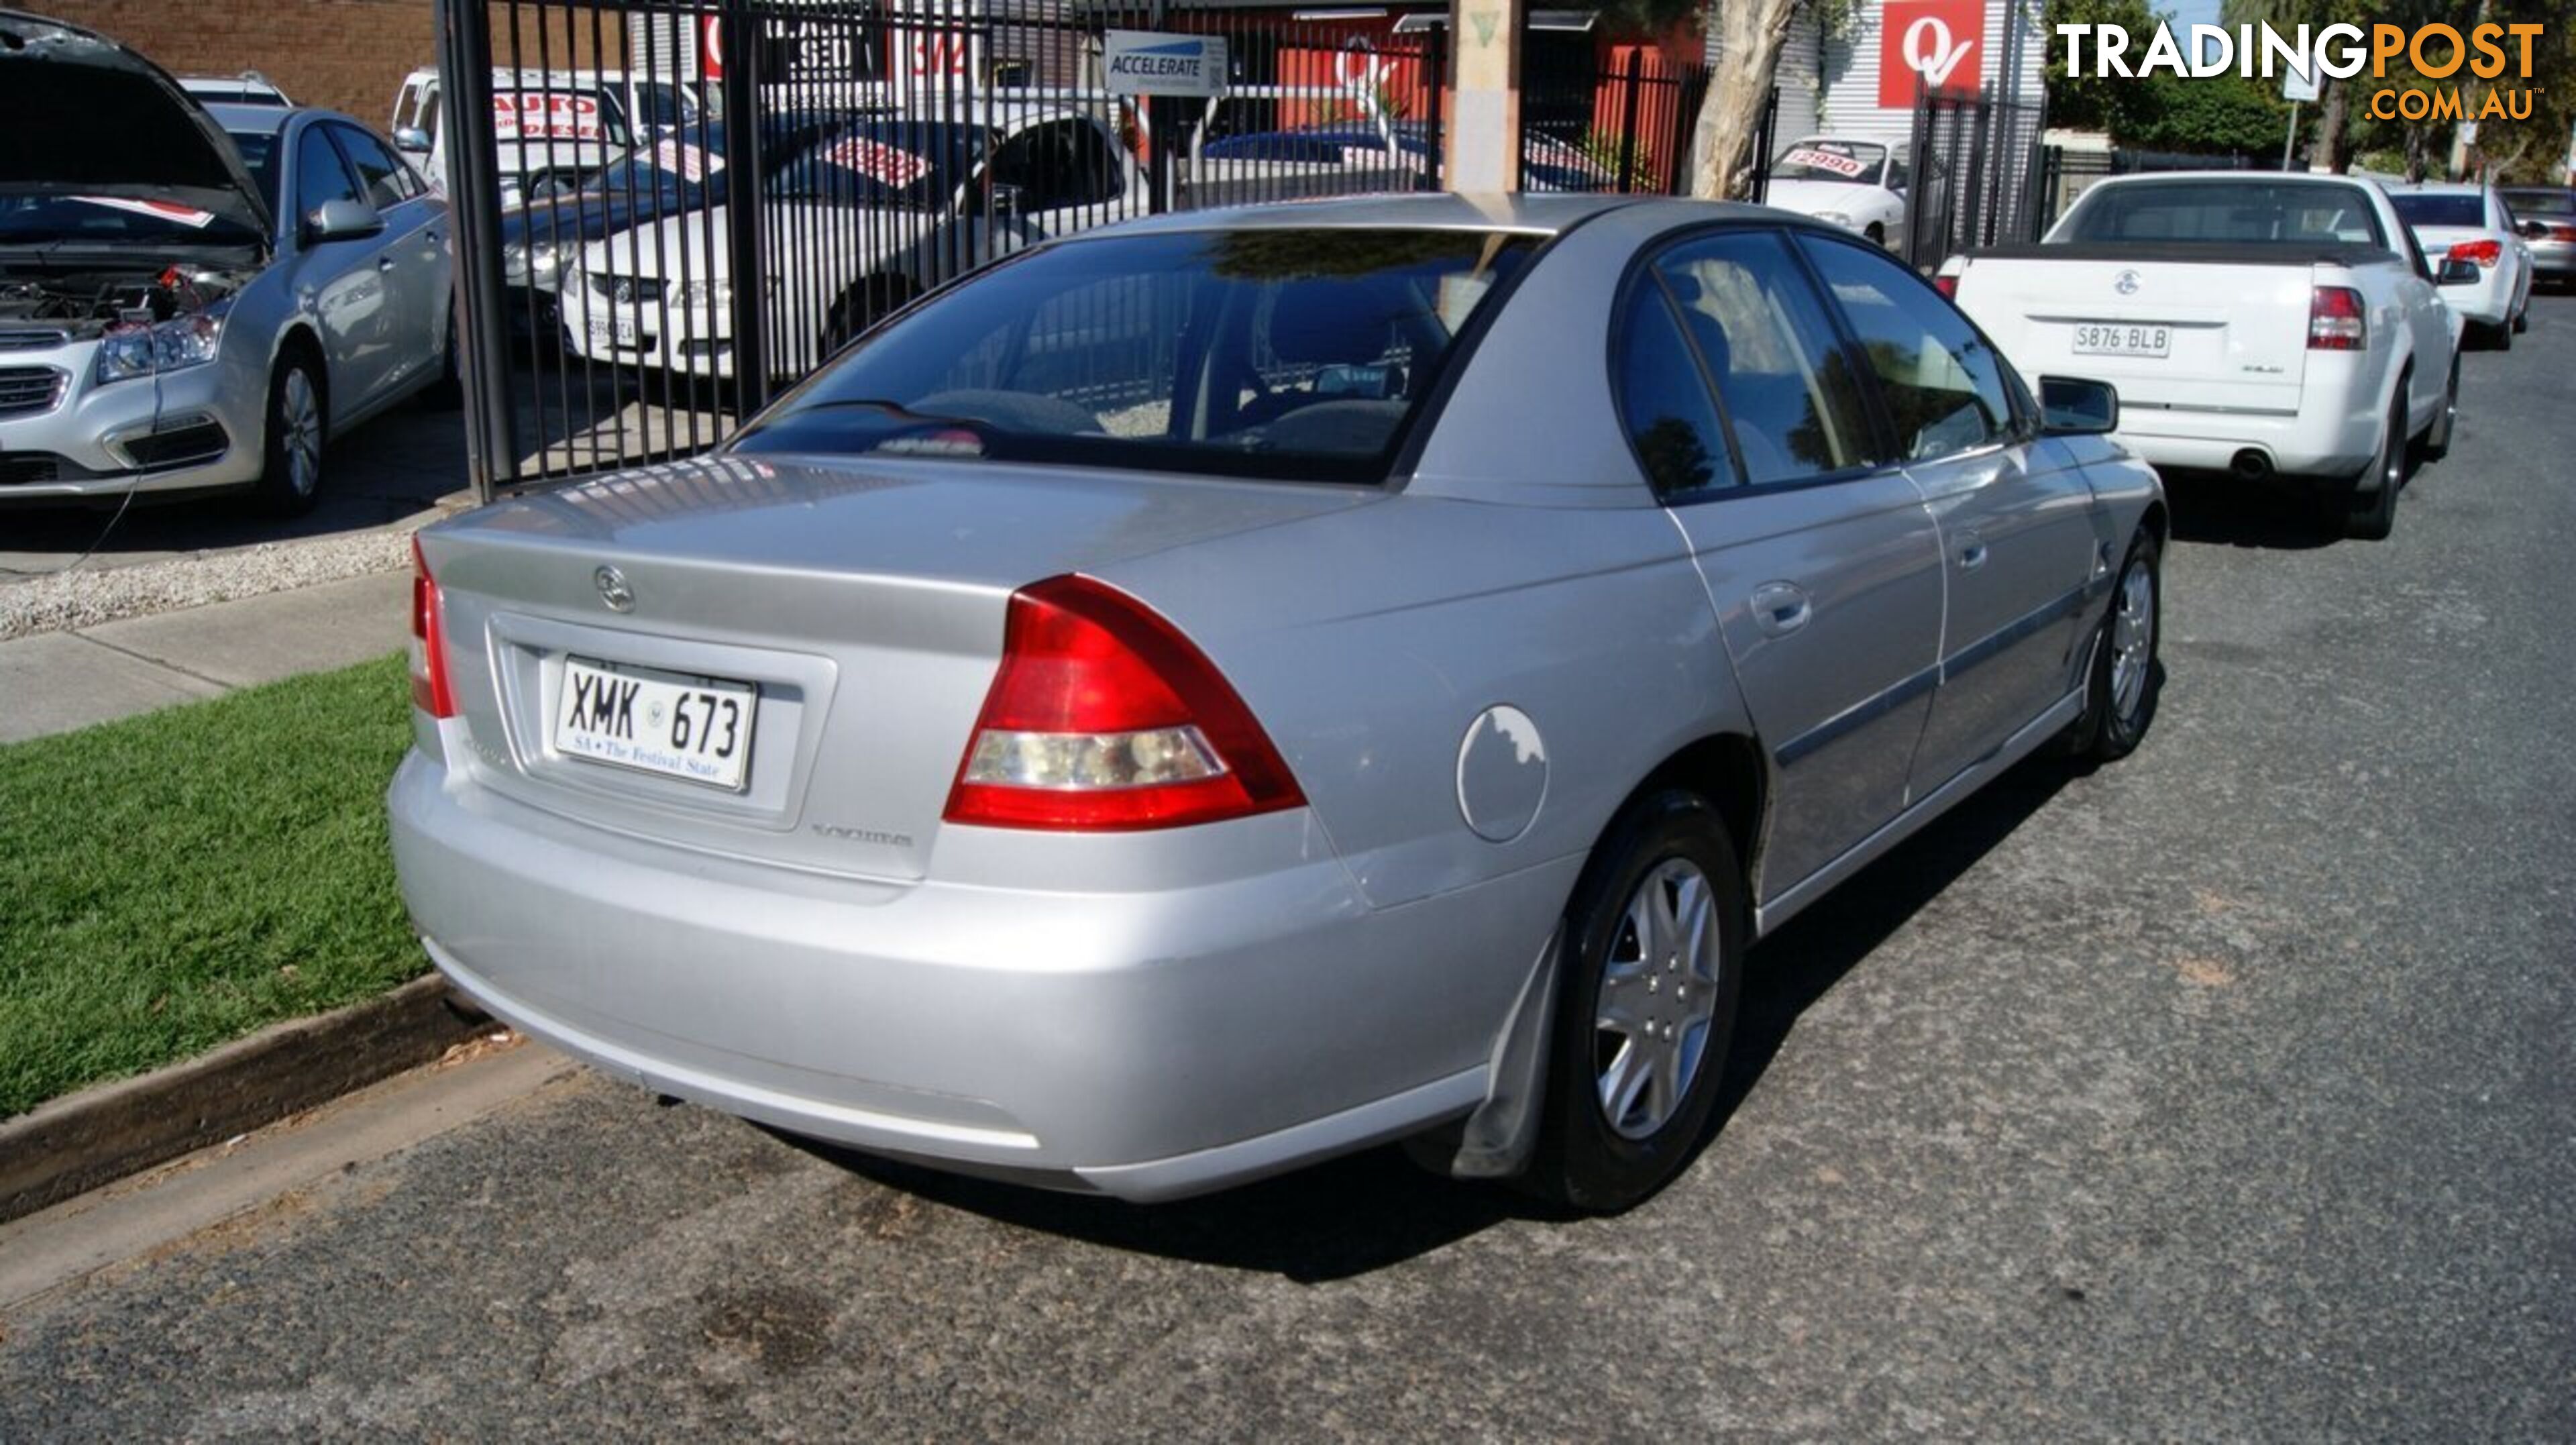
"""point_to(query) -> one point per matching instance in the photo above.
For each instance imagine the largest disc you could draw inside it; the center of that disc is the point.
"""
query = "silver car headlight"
(711, 295)
(173, 345)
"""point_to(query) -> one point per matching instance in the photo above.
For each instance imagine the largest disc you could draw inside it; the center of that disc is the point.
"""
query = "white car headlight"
(1836, 218)
(712, 295)
(173, 345)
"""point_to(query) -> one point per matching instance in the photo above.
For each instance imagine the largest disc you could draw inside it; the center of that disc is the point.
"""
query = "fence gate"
(1976, 175)
(667, 210)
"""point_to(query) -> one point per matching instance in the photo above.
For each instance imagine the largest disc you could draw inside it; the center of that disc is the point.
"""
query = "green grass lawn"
(175, 880)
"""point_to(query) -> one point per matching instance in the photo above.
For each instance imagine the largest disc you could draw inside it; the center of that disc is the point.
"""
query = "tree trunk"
(1748, 57)
(2328, 149)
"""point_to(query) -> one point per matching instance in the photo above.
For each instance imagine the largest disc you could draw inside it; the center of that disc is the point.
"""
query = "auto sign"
(546, 115)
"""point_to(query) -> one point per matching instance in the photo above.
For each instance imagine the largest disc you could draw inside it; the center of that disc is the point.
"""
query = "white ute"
(2258, 323)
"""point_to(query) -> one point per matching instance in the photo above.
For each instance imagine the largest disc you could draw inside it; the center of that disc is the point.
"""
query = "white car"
(1859, 185)
(551, 128)
(868, 217)
(2254, 322)
(2471, 223)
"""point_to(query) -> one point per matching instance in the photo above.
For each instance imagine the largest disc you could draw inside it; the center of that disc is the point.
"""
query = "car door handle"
(1972, 556)
(384, 263)
(1780, 608)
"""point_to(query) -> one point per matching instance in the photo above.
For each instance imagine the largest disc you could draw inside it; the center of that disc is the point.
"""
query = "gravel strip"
(85, 597)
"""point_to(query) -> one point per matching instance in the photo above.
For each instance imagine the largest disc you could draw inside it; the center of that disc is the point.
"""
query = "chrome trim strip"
(1859, 715)
(1993, 643)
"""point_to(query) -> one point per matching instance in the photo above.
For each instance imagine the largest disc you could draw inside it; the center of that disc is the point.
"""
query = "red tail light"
(2485, 253)
(1947, 285)
(1105, 718)
(429, 690)
(2336, 320)
(2559, 232)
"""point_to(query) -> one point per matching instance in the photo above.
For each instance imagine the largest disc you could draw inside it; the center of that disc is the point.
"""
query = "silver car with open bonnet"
(1238, 687)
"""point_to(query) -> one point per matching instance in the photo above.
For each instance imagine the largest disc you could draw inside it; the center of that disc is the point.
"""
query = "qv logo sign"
(1929, 45)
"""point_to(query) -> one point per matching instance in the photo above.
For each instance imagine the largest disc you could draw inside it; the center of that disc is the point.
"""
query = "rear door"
(1822, 561)
(2021, 535)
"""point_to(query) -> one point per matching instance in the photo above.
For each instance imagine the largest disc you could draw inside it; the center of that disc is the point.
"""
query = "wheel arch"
(1730, 770)
(297, 339)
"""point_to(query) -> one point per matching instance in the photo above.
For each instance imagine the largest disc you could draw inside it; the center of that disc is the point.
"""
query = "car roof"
(1543, 214)
(253, 119)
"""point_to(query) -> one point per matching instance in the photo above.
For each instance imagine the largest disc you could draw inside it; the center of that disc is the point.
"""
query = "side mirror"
(411, 138)
(2072, 407)
(342, 220)
(1006, 200)
(2456, 272)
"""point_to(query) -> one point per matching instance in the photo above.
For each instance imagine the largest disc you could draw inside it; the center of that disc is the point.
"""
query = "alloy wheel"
(1657, 999)
(299, 420)
(2133, 639)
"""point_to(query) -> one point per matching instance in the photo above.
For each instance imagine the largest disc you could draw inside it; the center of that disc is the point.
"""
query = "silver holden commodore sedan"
(1230, 689)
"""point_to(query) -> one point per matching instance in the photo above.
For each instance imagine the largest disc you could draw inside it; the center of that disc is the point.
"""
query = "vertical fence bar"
(1630, 80)
(465, 100)
(742, 36)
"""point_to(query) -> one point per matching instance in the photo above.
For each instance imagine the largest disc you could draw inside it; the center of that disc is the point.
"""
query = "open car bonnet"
(83, 114)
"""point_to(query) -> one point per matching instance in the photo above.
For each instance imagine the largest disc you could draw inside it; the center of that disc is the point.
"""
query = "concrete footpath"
(52, 682)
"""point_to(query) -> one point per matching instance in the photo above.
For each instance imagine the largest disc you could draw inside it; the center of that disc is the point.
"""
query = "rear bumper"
(2321, 440)
(2488, 303)
(1146, 1043)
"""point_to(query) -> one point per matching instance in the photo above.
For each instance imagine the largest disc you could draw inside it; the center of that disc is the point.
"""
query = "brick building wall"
(349, 55)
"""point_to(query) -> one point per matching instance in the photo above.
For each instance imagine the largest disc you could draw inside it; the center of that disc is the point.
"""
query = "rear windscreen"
(2451, 210)
(2224, 210)
(2541, 203)
(1271, 353)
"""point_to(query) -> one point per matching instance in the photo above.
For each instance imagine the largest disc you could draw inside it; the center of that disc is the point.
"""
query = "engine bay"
(90, 304)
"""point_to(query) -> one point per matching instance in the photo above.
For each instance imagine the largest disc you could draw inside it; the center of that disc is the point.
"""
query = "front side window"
(1943, 387)
(319, 175)
(388, 182)
(1296, 354)
(1765, 338)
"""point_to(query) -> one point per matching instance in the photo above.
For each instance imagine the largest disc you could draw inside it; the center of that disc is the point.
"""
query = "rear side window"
(1943, 387)
(1297, 354)
(1664, 400)
(2225, 210)
(1765, 338)
(319, 175)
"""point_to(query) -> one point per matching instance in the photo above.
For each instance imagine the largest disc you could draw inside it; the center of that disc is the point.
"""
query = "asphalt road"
(2225, 1093)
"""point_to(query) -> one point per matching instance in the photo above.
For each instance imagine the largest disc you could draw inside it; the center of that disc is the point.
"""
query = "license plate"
(2118, 338)
(618, 335)
(694, 728)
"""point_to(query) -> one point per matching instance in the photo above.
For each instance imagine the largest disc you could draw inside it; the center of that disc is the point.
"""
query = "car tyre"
(2120, 683)
(2500, 335)
(1653, 960)
(447, 393)
(2371, 517)
(290, 478)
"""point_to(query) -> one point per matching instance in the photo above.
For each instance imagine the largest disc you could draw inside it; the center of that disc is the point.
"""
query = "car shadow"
(1364, 1212)
(2227, 511)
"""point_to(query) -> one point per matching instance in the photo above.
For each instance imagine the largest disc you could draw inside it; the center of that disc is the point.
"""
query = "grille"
(20, 467)
(29, 338)
(621, 290)
(25, 389)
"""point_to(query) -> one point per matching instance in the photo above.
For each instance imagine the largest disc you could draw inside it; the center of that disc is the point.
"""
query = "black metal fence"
(1976, 175)
(2066, 174)
(667, 209)
(1625, 128)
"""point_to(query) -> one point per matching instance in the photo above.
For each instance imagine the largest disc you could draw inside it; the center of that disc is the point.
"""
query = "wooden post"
(1484, 130)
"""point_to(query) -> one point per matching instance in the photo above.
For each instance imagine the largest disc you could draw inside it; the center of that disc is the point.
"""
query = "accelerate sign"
(1142, 62)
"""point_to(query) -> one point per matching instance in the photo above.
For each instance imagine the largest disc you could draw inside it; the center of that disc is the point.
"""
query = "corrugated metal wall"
(1851, 72)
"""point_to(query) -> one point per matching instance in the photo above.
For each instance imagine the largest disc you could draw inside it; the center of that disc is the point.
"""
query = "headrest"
(1316, 322)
